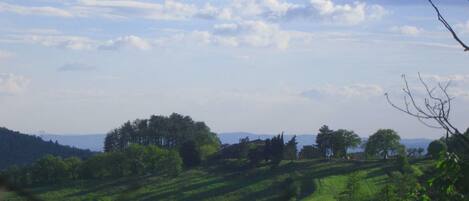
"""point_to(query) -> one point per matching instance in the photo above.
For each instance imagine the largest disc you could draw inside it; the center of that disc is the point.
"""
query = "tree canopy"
(165, 132)
(384, 142)
(336, 143)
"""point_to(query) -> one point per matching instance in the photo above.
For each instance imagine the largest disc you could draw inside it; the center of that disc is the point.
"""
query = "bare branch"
(436, 106)
(448, 26)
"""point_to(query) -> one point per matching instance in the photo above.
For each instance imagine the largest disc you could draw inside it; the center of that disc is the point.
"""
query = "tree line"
(133, 161)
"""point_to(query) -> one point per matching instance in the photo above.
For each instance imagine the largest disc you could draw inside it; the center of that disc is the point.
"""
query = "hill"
(95, 142)
(317, 180)
(18, 149)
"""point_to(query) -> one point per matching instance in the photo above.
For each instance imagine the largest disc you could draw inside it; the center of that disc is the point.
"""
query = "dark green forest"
(21, 149)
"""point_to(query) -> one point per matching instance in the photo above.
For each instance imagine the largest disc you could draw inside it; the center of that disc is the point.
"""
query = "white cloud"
(126, 42)
(12, 84)
(257, 33)
(252, 33)
(351, 91)
(407, 30)
(347, 14)
(43, 10)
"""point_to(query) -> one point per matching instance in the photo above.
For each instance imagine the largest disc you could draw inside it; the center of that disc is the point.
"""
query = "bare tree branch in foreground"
(433, 110)
(448, 26)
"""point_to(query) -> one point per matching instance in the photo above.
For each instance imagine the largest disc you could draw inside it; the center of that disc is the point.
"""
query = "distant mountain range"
(95, 142)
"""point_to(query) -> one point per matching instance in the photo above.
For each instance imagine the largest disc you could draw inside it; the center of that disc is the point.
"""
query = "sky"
(263, 66)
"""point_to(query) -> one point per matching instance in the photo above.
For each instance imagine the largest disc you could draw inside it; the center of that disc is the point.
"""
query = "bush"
(435, 148)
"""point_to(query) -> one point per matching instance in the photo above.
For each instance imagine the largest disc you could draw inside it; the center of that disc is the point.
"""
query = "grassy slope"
(320, 181)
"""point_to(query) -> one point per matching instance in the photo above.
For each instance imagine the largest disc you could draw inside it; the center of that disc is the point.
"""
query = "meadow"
(317, 180)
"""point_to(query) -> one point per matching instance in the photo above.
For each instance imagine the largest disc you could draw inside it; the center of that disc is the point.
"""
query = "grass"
(319, 181)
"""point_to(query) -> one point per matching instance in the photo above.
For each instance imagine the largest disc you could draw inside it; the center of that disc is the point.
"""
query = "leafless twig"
(436, 106)
(448, 26)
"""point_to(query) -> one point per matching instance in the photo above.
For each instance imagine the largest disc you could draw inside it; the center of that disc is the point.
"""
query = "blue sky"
(263, 66)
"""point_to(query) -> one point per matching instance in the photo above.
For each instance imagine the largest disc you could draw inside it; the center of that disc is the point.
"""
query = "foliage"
(290, 151)
(384, 142)
(276, 149)
(403, 164)
(190, 154)
(436, 148)
(342, 140)
(401, 187)
(234, 151)
(324, 140)
(255, 156)
(450, 182)
(309, 152)
(49, 169)
(165, 132)
(336, 143)
(135, 160)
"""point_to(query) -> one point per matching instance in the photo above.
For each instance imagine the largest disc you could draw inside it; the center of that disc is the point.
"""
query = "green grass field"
(319, 181)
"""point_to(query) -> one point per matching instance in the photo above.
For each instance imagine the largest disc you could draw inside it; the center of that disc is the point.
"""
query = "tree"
(384, 143)
(49, 169)
(134, 155)
(73, 165)
(436, 148)
(324, 140)
(165, 132)
(342, 140)
(277, 148)
(190, 154)
(290, 152)
(267, 150)
(309, 152)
